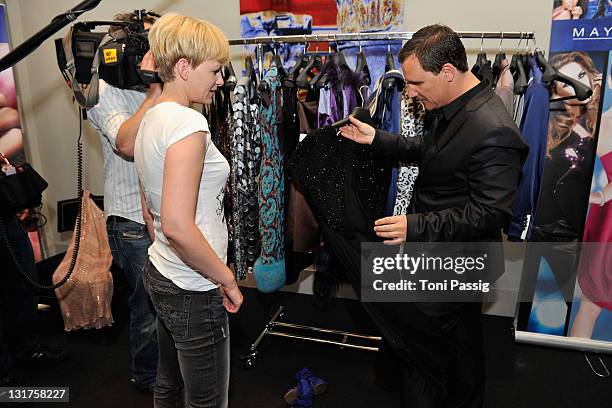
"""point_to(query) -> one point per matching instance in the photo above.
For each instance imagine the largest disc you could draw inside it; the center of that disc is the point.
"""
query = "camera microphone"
(60, 21)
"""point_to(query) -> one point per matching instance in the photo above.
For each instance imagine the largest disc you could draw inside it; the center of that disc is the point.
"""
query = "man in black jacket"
(470, 159)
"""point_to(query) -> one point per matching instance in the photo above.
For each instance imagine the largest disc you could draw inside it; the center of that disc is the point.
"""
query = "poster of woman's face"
(581, 9)
(564, 195)
(591, 314)
(11, 138)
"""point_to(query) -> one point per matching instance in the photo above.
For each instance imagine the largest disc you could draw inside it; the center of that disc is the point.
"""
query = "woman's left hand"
(393, 228)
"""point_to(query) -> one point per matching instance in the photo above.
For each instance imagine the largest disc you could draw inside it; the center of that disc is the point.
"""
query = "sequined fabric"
(219, 117)
(246, 156)
(85, 299)
(322, 162)
(271, 176)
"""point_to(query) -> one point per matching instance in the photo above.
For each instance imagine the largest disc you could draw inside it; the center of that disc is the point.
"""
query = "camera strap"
(89, 97)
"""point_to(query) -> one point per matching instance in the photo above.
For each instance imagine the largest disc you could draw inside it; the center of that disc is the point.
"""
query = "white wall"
(50, 117)
(484, 15)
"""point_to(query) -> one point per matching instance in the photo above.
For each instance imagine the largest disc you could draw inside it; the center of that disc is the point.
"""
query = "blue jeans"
(193, 337)
(129, 243)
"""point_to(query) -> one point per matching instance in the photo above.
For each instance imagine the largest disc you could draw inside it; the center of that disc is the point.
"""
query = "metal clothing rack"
(274, 327)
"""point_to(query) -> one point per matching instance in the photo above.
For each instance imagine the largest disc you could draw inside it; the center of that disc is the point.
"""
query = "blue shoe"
(307, 387)
(301, 395)
(318, 384)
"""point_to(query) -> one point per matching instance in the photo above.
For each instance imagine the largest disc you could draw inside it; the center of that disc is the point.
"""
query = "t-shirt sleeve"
(189, 121)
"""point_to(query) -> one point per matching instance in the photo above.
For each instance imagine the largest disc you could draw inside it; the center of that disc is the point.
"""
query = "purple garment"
(338, 98)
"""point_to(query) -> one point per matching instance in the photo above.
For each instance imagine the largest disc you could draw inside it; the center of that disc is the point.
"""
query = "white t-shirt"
(163, 125)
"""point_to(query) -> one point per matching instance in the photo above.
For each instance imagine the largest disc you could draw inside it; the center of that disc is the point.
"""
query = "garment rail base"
(342, 339)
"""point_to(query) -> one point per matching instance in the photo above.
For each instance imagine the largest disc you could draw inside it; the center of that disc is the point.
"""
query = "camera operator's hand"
(148, 64)
(126, 136)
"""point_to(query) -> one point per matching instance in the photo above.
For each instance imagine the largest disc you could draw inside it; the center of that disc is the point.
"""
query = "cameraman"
(117, 117)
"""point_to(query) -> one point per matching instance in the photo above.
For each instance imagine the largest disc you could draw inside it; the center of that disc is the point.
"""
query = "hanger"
(520, 81)
(361, 67)
(481, 58)
(526, 58)
(389, 83)
(278, 63)
(229, 76)
(499, 58)
(320, 79)
(249, 72)
(315, 62)
(548, 71)
(303, 61)
(302, 80)
(482, 66)
(550, 74)
(389, 59)
(338, 57)
(518, 70)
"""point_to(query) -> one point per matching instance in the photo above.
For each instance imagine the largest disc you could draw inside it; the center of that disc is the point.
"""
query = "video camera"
(84, 56)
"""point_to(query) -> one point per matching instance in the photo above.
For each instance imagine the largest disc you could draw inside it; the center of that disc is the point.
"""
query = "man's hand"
(126, 136)
(393, 228)
(148, 64)
(232, 297)
(358, 131)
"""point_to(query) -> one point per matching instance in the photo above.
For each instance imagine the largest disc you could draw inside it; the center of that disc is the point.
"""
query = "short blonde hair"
(175, 36)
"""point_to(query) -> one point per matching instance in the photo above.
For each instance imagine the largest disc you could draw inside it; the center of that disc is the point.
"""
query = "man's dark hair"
(130, 17)
(434, 46)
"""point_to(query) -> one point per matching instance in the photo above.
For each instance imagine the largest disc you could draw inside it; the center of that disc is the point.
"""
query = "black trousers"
(439, 345)
(18, 300)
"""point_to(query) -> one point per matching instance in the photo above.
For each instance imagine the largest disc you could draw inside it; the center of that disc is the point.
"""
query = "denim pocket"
(173, 311)
(133, 233)
(207, 322)
(219, 321)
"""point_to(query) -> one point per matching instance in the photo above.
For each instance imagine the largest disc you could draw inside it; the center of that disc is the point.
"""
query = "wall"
(51, 120)
(484, 15)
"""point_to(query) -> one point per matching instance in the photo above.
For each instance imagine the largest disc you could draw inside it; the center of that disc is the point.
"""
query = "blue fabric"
(129, 242)
(271, 187)
(387, 117)
(534, 128)
(269, 277)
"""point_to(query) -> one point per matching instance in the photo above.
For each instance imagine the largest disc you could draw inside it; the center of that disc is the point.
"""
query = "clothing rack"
(385, 36)
(274, 327)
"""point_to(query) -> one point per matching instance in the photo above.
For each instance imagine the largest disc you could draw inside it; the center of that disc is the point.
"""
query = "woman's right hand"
(232, 297)
(576, 12)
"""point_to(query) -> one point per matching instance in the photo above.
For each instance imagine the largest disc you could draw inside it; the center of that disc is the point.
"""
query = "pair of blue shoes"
(308, 385)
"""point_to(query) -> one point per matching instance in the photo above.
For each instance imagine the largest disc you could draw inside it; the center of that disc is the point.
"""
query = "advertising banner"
(11, 136)
(575, 208)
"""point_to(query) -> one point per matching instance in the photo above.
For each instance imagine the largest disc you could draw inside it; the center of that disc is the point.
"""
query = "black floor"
(517, 375)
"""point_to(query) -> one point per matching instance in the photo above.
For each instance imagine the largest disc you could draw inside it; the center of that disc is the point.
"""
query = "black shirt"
(438, 119)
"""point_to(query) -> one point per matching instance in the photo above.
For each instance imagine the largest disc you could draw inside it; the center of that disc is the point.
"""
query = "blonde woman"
(183, 177)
